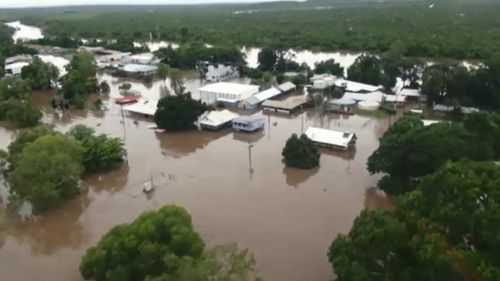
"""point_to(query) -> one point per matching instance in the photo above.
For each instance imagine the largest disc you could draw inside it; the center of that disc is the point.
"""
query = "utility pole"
(250, 146)
(302, 123)
(123, 123)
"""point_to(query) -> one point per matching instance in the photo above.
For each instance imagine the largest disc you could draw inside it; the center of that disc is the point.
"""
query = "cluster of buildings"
(361, 95)
(134, 65)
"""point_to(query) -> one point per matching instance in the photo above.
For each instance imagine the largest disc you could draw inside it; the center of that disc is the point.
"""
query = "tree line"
(445, 187)
(449, 29)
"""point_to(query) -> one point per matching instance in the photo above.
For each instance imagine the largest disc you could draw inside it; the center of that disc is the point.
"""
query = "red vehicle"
(127, 99)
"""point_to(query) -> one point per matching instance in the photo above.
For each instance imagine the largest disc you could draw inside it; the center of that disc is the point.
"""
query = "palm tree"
(163, 70)
(176, 81)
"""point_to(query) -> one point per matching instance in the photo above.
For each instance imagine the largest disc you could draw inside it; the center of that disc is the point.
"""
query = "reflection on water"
(295, 177)
(25, 32)
(286, 217)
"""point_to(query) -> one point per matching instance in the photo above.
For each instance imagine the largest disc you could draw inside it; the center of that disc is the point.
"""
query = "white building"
(143, 107)
(376, 96)
(139, 69)
(15, 68)
(220, 72)
(356, 87)
(331, 138)
(144, 58)
(227, 92)
(214, 120)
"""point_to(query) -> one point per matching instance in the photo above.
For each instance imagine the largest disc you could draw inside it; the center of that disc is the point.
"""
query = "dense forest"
(458, 29)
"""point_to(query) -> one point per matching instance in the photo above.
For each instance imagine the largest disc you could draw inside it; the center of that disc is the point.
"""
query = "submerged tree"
(383, 245)
(300, 152)
(178, 112)
(47, 171)
(101, 152)
(329, 66)
(409, 150)
(40, 75)
(156, 243)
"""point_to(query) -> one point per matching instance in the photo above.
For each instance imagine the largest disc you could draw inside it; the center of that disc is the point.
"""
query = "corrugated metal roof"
(370, 97)
(330, 137)
(287, 86)
(267, 94)
(146, 107)
(217, 118)
(229, 88)
(352, 86)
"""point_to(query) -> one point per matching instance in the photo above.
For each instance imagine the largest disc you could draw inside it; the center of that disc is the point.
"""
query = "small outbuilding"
(342, 105)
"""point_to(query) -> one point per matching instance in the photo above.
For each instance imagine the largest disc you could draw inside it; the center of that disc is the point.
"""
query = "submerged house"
(226, 92)
(248, 123)
(214, 120)
(256, 100)
(15, 64)
(217, 72)
(331, 138)
(144, 107)
(139, 70)
(342, 105)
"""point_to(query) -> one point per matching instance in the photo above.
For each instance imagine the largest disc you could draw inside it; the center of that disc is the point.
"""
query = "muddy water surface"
(286, 217)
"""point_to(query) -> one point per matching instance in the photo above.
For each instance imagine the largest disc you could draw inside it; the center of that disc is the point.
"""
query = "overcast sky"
(44, 3)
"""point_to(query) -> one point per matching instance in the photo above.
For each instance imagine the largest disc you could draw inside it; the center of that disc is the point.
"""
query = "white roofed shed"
(331, 138)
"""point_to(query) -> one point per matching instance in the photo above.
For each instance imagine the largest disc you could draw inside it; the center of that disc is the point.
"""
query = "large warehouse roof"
(228, 88)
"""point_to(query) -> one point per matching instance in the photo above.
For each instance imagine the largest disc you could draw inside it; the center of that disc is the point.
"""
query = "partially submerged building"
(226, 92)
(356, 87)
(342, 105)
(217, 72)
(248, 123)
(15, 64)
(214, 120)
(139, 69)
(256, 100)
(288, 105)
(331, 138)
(144, 107)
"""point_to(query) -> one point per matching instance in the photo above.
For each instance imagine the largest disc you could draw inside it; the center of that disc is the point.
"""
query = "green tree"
(156, 243)
(178, 112)
(47, 172)
(20, 113)
(463, 199)
(40, 75)
(176, 81)
(104, 87)
(163, 71)
(80, 80)
(406, 153)
(267, 59)
(13, 87)
(329, 66)
(300, 152)
(486, 125)
(383, 245)
(24, 138)
(101, 153)
(221, 263)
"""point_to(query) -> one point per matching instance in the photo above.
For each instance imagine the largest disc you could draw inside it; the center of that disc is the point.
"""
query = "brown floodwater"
(286, 217)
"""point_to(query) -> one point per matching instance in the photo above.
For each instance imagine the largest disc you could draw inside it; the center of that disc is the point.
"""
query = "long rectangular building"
(331, 138)
(227, 92)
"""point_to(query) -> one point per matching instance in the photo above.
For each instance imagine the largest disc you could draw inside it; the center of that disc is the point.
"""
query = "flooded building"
(217, 72)
(248, 123)
(331, 138)
(214, 120)
(226, 92)
(139, 70)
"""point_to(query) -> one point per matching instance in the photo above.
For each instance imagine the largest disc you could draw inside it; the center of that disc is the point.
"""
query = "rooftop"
(288, 104)
(216, 118)
(136, 68)
(371, 97)
(146, 107)
(352, 86)
(267, 94)
(330, 137)
(409, 92)
(228, 88)
(287, 86)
